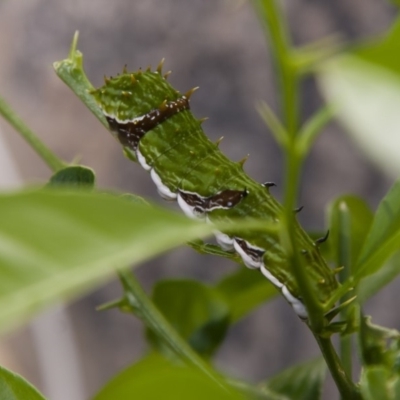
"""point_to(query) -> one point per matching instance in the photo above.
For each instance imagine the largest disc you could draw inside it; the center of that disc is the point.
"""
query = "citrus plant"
(63, 239)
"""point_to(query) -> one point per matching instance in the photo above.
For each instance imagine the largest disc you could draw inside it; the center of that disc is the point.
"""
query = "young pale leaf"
(300, 382)
(155, 378)
(14, 387)
(379, 345)
(245, 291)
(384, 50)
(375, 384)
(56, 244)
(372, 284)
(349, 220)
(383, 238)
(365, 86)
(199, 313)
(75, 176)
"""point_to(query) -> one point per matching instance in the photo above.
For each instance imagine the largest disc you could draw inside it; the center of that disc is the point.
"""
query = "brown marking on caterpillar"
(194, 205)
(250, 250)
(251, 256)
(225, 199)
(130, 132)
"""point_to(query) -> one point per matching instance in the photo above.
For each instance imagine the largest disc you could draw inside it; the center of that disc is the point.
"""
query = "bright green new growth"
(186, 160)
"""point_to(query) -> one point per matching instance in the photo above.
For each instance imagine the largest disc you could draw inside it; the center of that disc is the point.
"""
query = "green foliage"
(300, 382)
(76, 176)
(55, 244)
(364, 85)
(155, 377)
(14, 387)
(199, 313)
(350, 219)
(61, 241)
(137, 302)
(374, 384)
(244, 291)
(370, 285)
(383, 238)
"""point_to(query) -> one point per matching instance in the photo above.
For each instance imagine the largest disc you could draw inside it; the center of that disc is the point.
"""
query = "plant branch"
(276, 31)
(348, 390)
(41, 149)
(289, 77)
(344, 258)
(296, 148)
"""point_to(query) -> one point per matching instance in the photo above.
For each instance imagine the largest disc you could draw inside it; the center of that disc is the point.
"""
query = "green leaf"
(245, 290)
(312, 128)
(199, 313)
(365, 86)
(372, 284)
(395, 387)
(155, 378)
(384, 50)
(273, 123)
(14, 387)
(137, 302)
(307, 57)
(374, 383)
(56, 244)
(379, 345)
(75, 176)
(350, 219)
(300, 382)
(135, 199)
(383, 238)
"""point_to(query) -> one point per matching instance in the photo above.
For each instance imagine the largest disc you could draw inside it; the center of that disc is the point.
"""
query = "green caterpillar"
(153, 120)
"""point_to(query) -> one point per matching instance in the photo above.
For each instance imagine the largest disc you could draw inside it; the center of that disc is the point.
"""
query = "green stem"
(293, 166)
(344, 258)
(348, 390)
(277, 33)
(41, 149)
(289, 79)
(345, 355)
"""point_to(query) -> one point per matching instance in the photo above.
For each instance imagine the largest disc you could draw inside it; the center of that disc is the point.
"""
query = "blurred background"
(70, 352)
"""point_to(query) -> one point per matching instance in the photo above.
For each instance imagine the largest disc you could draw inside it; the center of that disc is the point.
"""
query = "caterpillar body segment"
(152, 119)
